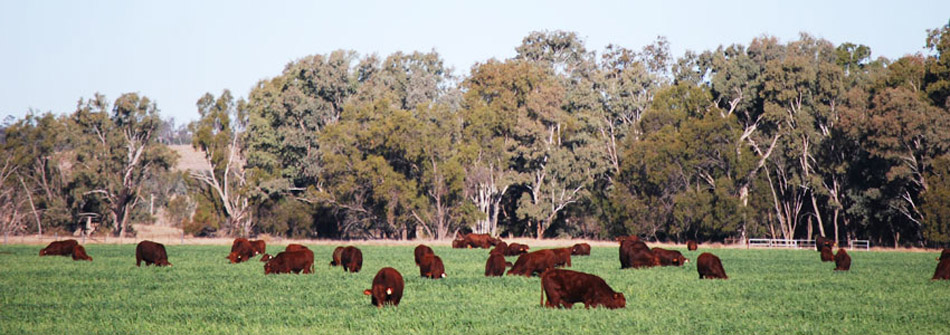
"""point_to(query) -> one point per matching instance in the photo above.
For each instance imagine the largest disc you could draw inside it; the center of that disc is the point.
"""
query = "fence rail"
(799, 244)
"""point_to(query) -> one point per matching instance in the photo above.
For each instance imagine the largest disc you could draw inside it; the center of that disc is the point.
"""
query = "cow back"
(710, 267)
(842, 260)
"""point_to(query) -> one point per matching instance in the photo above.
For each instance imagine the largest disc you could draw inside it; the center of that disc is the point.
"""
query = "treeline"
(769, 139)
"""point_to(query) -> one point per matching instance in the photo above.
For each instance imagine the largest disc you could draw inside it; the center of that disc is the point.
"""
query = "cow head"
(163, 262)
(617, 300)
(266, 257)
(233, 257)
(43, 252)
(268, 268)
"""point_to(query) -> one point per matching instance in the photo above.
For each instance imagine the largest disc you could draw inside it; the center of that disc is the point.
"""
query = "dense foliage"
(769, 139)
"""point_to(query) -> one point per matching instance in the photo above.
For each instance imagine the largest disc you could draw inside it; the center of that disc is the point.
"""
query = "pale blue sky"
(54, 52)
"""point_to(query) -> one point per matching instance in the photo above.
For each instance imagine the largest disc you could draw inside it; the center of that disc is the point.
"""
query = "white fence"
(799, 244)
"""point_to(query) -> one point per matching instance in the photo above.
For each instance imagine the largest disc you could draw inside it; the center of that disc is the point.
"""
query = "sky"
(52, 53)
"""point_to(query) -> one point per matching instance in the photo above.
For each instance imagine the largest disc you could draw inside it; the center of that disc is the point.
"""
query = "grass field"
(769, 292)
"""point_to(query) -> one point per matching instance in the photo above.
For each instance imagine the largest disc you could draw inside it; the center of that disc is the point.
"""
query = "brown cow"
(827, 255)
(151, 253)
(563, 256)
(821, 242)
(842, 260)
(496, 264)
(266, 257)
(79, 254)
(669, 257)
(259, 246)
(632, 238)
(59, 248)
(566, 287)
(636, 254)
(943, 270)
(944, 255)
(691, 245)
(422, 250)
(290, 261)
(710, 267)
(515, 249)
(430, 266)
(581, 249)
(534, 262)
(483, 241)
(352, 259)
(337, 254)
(295, 247)
(241, 251)
(459, 244)
(238, 241)
(387, 288)
(500, 248)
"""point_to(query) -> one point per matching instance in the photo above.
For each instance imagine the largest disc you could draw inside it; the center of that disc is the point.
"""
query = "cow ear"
(367, 292)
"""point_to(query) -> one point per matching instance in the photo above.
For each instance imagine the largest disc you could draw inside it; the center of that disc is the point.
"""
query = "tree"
(936, 202)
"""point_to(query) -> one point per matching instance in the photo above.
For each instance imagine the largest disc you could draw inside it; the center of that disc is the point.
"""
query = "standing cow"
(534, 262)
(635, 254)
(79, 254)
(295, 261)
(420, 251)
(566, 287)
(337, 257)
(259, 246)
(943, 267)
(241, 251)
(827, 255)
(352, 259)
(496, 265)
(151, 253)
(59, 248)
(842, 260)
(710, 267)
(387, 288)
(430, 266)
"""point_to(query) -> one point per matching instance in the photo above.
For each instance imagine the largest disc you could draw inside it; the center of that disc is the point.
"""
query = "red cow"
(669, 257)
(563, 256)
(944, 255)
(337, 254)
(151, 253)
(295, 247)
(266, 257)
(632, 238)
(500, 248)
(387, 288)
(516, 249)
(943, 270)
(496, 264)
(710, 267)
(290, 261)
(430, 266)
(238, 241)
(534, 262)
(483, 241)
(79, 254)
(636, 254)
(826, 255)
(241, 251)
(691, 245)
(422, 250)
(581, 249)
(259, 246)
(352, 259)
(821, 242)
(842, 260)
(59, 248)
(566, 287)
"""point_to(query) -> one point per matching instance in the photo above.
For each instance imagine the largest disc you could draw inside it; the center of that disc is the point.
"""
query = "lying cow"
(59, 248)
(581, 249)
(566, 287)
(516, 249)
(842, 260)
(669, 257)
(636, 254)
(352, 259)
(387, 288)
(534, 262)
(151, 253)
(296, 261)
(430, 266)
(710, 267)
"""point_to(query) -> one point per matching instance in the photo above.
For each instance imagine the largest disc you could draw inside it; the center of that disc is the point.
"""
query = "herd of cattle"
(562, 288)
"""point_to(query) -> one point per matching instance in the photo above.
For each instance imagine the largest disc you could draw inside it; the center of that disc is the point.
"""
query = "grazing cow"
(483, 241)
(241, 251)
(710, 267)
(430, 266)
(581, 249)
(422, 250)
(821, 242)
(496, 264)
(151, 253)
(534, 262)
(337, 254)
(290, 261)
(636, 254)
(352, 259)
(500, 248)
(266, 257)
(826, 255)
(691, 245)
(842, 260)
(59, 248)
(566, 287)
(563, 256)
(633, 238)
(516, 249)
(238, 241)
(387, 288)
(459, 244)
(259, 246)
(669, 257)
(944, 255)
(295, 247)
(79, 254)
(943, 269)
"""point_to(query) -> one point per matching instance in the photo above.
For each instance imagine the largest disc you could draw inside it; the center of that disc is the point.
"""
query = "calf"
(352, 259)
(151, 253)
(59, 248)
(636, 254)
(563, 256)
(842, 260)
(581, 249)
(566, 287)
(496, 264)
(430, 266)
(337, 253)
(290, 261)
(826, 255)
(710, 267)
(669, 257)
(259, 246)
(421, 251)
(691, 245)
(387, 288)
(241, 251)
(79, 254)
(534, 262)
(516, 249)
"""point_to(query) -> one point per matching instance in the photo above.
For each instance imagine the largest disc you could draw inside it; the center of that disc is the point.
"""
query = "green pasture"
(769, 292)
